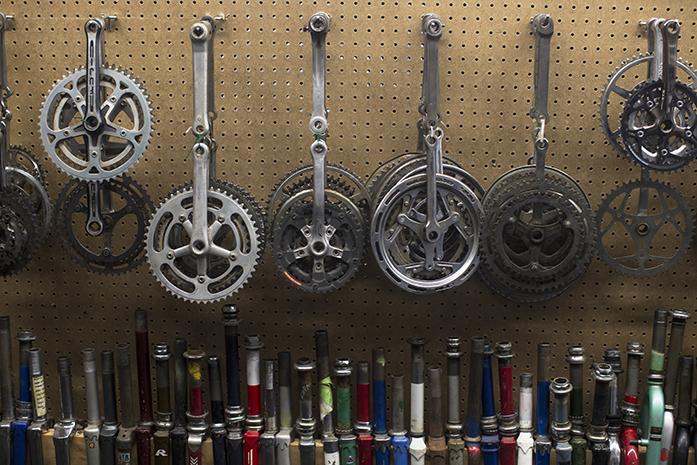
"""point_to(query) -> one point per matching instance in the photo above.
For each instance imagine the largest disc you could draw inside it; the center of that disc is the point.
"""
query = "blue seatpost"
(543, 443)
(24, 407)
(398, 433)
(489, 425)
(382, 440)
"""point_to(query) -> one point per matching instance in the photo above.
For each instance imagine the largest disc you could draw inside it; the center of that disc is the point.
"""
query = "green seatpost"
(653, 404)
(348, 445)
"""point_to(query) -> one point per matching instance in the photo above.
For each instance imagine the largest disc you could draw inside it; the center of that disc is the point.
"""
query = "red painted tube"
(252, 441)
(508, 453)
(365, 449)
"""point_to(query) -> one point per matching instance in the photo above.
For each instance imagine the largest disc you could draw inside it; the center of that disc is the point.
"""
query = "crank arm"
(6, 22)
(201, 36)
(434, 166)
(95, 224)
(319, 26)
(543, 28)
(200, 242)
(655, 38)
(432, 28)
(94, 30)
(670, 30)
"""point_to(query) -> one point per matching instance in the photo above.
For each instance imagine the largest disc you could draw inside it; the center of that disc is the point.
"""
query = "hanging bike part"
(540, 231)
(425, 230)
(96, 122)
(103, 224)
(205, 240)
(659, 119)
(22, 194)
(626, 77)
(645, 227)
(319, 231)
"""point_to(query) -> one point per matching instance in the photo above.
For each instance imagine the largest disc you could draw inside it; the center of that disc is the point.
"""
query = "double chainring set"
(96, 123)
(646, 226)
(430, 224)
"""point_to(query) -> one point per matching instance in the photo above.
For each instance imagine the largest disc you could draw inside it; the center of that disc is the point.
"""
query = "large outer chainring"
(125, 134)
(390, 173)
(338, 178)
(538, 239)
(125, 210)
(25, 173)
(643, 242)
(18, 229)
(234, 246)
(647, 139)
(345, 232)
(615, 88)
(398, 237)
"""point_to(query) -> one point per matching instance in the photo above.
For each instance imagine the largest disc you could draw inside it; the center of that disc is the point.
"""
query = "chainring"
(399, 243)
(125, 209)
(656, 144)
(616, 92)
(339, 179)
(643, 241)
(125, 134)
(18, 229)
(538, 239)
(234, 245)
(25, 173)
(313, 267)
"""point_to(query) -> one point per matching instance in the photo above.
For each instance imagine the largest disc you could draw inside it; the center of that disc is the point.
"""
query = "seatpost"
(456, 445)
(578, 441)
(382, 440)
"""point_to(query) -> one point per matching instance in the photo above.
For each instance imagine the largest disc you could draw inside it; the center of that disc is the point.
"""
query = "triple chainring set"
(646, 226)
(25, 209)
(429, 223)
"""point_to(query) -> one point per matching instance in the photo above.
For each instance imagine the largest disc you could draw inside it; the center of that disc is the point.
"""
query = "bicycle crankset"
(540, 231)
(25, 209)
(205, 241)
(426, 223)
(96, 122)
(110, 239)
(645, 226)
(319, 228)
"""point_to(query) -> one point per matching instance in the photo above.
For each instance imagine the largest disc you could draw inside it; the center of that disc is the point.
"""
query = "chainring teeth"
(136, 202)
(606, 209)
(512, 191)
(144, 104)
(298, 208)
(15, 207)
(222, 191)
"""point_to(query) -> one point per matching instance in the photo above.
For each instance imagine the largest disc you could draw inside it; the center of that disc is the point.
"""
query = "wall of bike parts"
(263, 63)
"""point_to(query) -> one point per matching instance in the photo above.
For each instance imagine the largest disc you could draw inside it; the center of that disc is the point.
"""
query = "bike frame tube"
(284, 435)
(681, 445)
(578, 442)
(218, 432)
(525, 442)
(110, 426)
(456, 445)
(326, 404)
(399, 441)
(417, 445)
(653, 405)
(38, 391)
(254, 422)
(362, 425)
(196, 426)
(348, 446)
(23, 409)
(144, 431)
(178, 435)
(306, 423)
(163, 412)
(508, 417)
(382, 440)
(543, 443)
(490, 437)
(630, 406)
(127, 428)
(6, 394)
(474, 401)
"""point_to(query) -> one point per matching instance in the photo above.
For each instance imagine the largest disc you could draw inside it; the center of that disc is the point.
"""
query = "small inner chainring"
(319, 267)
(217, 273)
(18, 230)
(628, 76)
(124, 134)
(411, 260)
(645, 227)
(125, 209)
(538, 239)
(652, 141)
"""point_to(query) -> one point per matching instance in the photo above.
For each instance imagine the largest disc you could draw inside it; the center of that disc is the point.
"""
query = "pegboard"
(263, 84)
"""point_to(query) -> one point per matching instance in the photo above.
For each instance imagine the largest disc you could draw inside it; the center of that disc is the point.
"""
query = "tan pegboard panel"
(263, 64)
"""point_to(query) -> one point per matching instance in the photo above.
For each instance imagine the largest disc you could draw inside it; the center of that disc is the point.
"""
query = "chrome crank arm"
(95, 224)
(6, 23)
(670, 30)
(318, 27)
